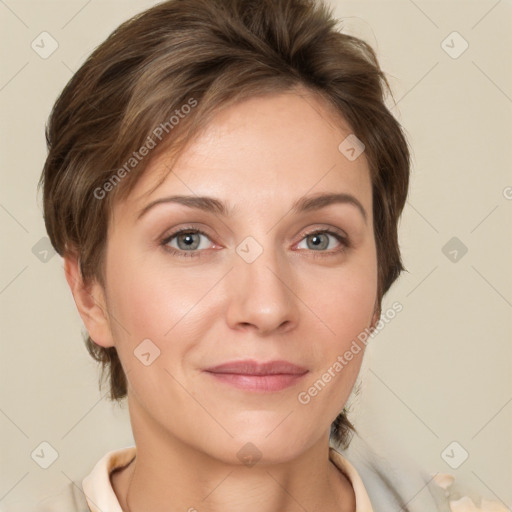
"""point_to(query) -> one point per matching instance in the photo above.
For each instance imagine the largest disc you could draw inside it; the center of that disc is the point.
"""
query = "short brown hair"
(213, 53)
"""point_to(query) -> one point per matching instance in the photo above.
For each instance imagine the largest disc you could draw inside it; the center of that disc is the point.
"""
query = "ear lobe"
(90, 302)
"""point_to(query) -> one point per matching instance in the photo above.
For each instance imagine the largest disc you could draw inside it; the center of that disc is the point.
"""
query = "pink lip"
(253, 376)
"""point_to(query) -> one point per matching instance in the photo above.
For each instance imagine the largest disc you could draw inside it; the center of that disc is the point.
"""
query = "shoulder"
(70, 499)
(389, 484)
(95, 488)
(397, 483)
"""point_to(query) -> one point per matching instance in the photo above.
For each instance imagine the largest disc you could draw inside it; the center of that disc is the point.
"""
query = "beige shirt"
(101, 497)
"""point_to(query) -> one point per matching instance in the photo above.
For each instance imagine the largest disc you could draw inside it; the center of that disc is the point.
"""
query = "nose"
(261, 296)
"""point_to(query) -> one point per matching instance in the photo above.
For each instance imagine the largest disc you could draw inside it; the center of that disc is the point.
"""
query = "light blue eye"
(187, 241)
(320, 240)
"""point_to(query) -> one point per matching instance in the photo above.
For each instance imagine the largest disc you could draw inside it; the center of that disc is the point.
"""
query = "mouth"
(251, 375)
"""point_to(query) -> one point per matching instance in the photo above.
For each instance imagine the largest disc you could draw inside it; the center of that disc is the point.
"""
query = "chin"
(256, 445)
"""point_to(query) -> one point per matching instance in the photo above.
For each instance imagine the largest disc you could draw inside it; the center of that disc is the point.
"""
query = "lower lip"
(264, 383)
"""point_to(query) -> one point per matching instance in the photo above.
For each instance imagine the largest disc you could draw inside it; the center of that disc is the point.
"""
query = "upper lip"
(251, 367)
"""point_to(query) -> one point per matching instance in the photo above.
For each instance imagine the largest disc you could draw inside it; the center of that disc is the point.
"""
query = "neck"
(169, 475)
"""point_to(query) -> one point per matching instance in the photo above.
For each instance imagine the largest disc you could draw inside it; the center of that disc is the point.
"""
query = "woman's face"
(251, 282)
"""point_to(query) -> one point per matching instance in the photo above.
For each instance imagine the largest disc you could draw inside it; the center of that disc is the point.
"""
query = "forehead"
(265, 151)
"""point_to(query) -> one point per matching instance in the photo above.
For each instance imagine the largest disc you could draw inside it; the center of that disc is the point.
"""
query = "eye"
(187, 241)
(320, 240)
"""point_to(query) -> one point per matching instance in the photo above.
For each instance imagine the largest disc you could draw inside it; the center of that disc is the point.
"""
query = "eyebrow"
(302, 205)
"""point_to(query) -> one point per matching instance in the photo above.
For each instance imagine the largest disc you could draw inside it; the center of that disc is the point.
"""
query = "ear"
(90, 302)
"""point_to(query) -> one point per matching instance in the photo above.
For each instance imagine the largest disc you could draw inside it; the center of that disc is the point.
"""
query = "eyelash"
(195, 253)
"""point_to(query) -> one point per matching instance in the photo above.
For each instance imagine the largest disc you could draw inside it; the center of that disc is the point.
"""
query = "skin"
(258, 156)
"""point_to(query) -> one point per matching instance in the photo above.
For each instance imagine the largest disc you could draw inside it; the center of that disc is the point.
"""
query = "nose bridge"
(260, 287)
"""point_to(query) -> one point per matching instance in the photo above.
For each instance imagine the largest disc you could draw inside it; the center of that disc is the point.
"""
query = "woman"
(224, 183)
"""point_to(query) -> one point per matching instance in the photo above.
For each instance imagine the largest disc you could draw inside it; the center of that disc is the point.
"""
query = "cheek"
(351, 308)
(344, 301)
(345, 311)
(152, 300)
(149, 302)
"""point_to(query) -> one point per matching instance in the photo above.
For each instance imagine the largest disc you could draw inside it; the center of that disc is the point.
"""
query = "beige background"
(439, 372)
